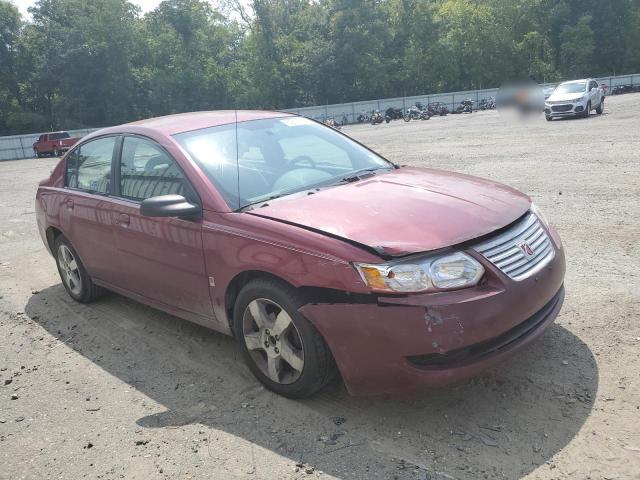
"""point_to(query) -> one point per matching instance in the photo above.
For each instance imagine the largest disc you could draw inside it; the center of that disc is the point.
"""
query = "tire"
(81, 287)
(587, 110)
(548, 118)
(262, 341)
(407, 118)
(38, 155)
(56, 152)
(600, 107)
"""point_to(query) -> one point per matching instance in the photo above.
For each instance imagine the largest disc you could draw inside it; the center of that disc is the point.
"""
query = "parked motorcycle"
(376, 117)
(392, 113)
(364, 117)
(331, 122)
(413, 113)
(620, 89)
(485, 104)
(438, 108)
(466, 106)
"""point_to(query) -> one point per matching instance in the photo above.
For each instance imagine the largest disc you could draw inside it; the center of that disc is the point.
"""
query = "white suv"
(574, 98)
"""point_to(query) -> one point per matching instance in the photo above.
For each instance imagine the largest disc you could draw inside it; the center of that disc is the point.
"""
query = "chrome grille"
(508, 251)
(561, 108)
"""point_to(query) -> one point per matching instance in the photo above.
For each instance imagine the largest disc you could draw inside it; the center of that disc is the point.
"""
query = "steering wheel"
(302, 158)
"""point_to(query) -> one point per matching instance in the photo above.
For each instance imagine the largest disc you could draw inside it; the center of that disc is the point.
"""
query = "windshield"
(264, 159)
(58, 136)
(576, 87)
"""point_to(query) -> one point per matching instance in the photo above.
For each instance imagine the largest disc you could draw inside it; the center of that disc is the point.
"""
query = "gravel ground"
(118, 390)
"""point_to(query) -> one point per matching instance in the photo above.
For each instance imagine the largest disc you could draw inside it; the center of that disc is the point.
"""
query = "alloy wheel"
(69, 270)
(273, 341)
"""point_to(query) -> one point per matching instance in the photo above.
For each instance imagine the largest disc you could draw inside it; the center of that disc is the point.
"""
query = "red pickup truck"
(54, 143)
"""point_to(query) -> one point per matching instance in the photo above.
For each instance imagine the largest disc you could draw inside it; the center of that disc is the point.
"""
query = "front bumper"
(565, 109)
(406, 344)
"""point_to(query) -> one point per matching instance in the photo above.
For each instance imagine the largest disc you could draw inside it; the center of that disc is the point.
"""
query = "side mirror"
(169, 206)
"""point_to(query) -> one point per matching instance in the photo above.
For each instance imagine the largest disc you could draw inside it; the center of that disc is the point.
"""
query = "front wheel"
(548, 118)
(282, 348)
(600, 107)
(75, 278)
(587, 110)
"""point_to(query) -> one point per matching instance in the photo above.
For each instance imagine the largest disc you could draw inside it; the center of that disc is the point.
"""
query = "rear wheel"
(281, 347)
(75, 278)
(56, 152)
(600, 107)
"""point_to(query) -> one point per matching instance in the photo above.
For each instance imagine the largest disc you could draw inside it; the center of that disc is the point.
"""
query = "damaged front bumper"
(404, 344)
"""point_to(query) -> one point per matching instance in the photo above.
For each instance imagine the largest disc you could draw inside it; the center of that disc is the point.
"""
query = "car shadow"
(503, 424)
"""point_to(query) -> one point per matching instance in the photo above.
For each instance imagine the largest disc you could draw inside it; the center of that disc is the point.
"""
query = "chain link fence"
(20, 146)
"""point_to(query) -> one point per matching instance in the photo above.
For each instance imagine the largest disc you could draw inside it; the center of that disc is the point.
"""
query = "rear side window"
(89, 166)
(58, 136)
(146, 171)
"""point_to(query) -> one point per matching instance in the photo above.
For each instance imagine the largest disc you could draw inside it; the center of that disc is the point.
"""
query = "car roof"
(185, 122)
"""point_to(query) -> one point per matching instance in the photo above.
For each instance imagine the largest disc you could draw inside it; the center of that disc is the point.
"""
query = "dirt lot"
(118, 390)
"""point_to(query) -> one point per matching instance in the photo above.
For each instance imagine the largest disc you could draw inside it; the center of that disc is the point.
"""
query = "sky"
(145, 5)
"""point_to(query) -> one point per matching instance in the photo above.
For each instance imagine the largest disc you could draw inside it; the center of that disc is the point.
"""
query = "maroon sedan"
(316, 253)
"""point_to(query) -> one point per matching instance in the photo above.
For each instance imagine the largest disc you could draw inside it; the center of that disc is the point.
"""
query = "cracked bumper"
(406, 344)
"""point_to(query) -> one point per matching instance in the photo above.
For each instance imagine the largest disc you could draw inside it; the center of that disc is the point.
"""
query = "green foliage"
(76, 63)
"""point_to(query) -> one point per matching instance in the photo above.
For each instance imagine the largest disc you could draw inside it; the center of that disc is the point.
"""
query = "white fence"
(17, 147)
(20, 146)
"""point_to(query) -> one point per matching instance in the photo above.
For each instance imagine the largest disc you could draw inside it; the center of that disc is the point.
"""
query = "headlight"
(420, 274)
(538, 213)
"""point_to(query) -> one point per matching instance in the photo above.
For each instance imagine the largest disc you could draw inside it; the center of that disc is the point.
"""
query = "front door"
(162, 258)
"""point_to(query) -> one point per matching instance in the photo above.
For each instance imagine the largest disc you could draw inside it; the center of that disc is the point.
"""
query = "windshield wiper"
(360, 174)
(262, 202)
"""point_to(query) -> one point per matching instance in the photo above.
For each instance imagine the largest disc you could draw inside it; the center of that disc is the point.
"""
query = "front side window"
(146, 171)
(89, 166)
(258, 160)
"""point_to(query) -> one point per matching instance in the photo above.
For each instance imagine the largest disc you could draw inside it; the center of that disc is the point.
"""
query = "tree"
(88, 64)
(576, 51)
(10, 94)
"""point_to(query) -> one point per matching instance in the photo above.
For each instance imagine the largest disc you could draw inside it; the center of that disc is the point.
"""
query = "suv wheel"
(587, 111)
(600, 107)
(75, 278)
(56, 152)
(281, 347)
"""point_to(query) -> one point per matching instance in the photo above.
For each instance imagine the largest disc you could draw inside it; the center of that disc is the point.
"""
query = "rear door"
(86, 211)
(162, 258)
(594, 93)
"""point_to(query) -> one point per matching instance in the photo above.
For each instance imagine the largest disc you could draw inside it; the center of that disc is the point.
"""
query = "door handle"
(69, 202)
(123, 219)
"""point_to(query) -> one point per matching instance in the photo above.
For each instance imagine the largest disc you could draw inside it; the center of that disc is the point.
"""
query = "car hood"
(564, 97)
(404, 211)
